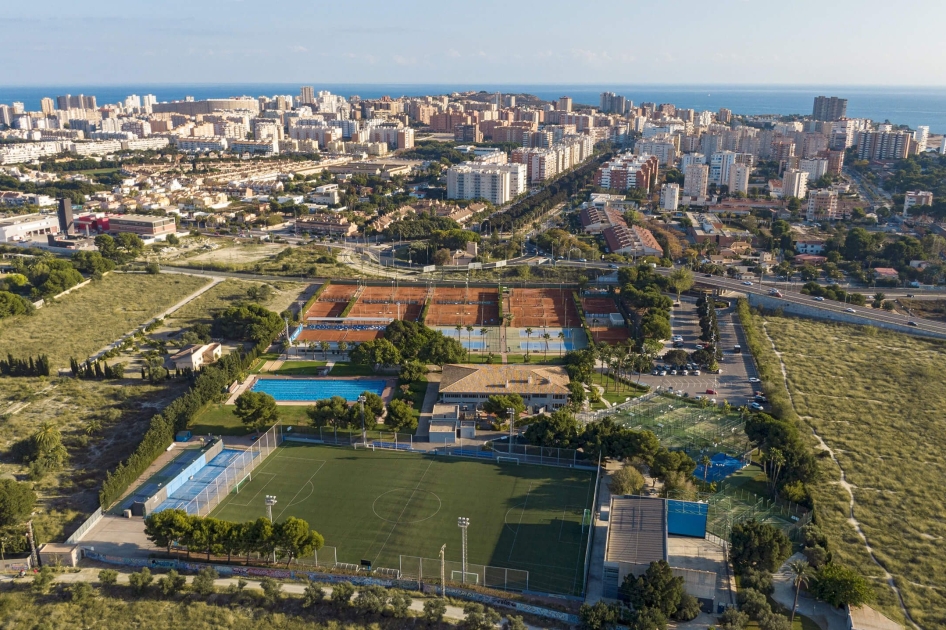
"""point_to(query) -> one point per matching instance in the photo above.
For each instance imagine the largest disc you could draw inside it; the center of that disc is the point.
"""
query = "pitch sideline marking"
(250, 500)
(595, 481)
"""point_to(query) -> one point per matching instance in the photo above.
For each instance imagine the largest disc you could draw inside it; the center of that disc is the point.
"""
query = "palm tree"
(342, 347)
(561, 348)
(459, 330)
(801, 574)
(546, 336)
(324, 347)
(705, 462)
(469, 336)
(529, 343)
(47, 437)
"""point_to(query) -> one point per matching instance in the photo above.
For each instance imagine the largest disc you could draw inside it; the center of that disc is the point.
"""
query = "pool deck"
(390, 385)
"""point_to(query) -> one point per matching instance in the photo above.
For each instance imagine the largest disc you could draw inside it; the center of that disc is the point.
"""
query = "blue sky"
(96, 42)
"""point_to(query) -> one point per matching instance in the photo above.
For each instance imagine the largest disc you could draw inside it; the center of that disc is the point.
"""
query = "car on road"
(747, 283)
(711, 392)
(707, 275)
(753, 379)
(818, 298)
(677, 338)
(761, 399)
(912, 324)
(850, 310)
(756, 407)
(582, 260)
(910, 295)
(612, 266)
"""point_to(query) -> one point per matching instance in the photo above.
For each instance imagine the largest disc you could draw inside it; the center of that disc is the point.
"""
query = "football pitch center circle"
(391, 506)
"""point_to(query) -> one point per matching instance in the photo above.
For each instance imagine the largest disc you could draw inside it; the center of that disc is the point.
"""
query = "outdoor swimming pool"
(317, 388)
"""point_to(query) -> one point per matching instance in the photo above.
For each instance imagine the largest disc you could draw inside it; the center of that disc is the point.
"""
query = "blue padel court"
(312, 389)
(182, 498)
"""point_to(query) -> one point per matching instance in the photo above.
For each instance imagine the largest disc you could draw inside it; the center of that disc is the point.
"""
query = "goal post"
(239, 484)
(507, 460)
(470, 578)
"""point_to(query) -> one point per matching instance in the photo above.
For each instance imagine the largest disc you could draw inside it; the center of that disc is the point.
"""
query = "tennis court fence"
(239, 470)
(429, 569)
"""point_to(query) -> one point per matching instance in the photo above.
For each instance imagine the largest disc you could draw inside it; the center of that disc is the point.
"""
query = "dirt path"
(843, 482)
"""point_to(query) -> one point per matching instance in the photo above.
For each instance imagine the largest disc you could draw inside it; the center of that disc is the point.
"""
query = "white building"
(670, 197)
(497, 183)
(24, 227)
(922, 136)
(691, 158)
(815, 167)
(695, 180)
(916, 198)
(794, 184)
(200, 144)
(719, 166)
(739, 178)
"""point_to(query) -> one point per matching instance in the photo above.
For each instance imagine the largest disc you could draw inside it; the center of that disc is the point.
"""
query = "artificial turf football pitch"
(379, 505)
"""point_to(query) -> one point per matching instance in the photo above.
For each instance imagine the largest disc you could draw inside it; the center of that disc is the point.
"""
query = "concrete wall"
(772, 303)
(181, 478)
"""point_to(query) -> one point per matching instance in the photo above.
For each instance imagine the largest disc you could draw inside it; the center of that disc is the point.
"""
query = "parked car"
(663, 372)
(711, 392)
(683, 372)
(673, 372)
(756, 407)
(695, 372)
(753, 379)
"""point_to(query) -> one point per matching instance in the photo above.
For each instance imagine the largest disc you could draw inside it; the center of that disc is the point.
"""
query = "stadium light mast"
(463, 523)
(270, 502)
(443, 573)
(512, 422)
(364, 434)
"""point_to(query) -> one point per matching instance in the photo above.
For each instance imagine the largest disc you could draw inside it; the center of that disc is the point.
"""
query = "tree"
(559, 430)
(400, 417)
(374, 406)
(333, 411)
(294, 538)
(376, 354)
(434, 610)
(313, 594)
(141, 580)
(167, 526)
(666, 461)
(108, 577)
(498, 404)
(412, 371)
(839, 586)
(401, 604)
(627, 480)
(759, 546)
(203, 583)
(12, 304)
(801, 573)
(514, 622)
(172, 583)
(16, 502)
(688, 608)
(249, 322)
(479, 617)
(680, 280)
(44, 579)
(733, 619)
(600, 616)
(342, 594)
(657, 588)
(272, 589)
(256, 410)
(81, 592)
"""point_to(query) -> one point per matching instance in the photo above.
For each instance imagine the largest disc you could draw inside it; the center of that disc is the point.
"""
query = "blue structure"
(686, 518)
(720, 467)
(312, 389)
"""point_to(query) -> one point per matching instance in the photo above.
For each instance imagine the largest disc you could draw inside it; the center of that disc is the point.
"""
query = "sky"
(730, 42)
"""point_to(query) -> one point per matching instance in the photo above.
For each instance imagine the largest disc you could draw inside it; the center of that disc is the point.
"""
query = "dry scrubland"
(878, 401)
(228, 293)
(90, 318)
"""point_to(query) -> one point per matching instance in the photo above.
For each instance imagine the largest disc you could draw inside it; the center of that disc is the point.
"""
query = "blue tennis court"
(312, 389)
(553, 346)
(203, 478)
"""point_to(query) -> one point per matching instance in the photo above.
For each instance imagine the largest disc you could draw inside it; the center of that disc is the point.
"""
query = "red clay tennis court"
(464, 306)
(598, 306)
(554, 308)
(332, 301)
(405, 303)
(610, 336)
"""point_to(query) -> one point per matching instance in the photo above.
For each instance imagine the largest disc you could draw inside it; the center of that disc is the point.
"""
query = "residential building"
(628, 171)
(884, 145)
(691, 158)
(719, 166)
(664, 150)
(327, 223)
(611, 103)
(269, 146)
(195, 356)
(913, 198)
(921, 136)
(306, 95)
(809, 246)
(541, 387)
(739, 178)
(200, 144)
(327, 194)
(695, 180)
(47, 106)
(496, 183)
(564, 104)
(632, 241)
(669, 197)
(829, 108)
(822, 206)
(595, 219)
(815, 167)
(794, 184)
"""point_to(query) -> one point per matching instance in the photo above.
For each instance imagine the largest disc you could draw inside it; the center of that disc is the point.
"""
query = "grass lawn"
(877, 400)
(350, 369)
(228, 293)
(300, 368)
(537, 358)
(220, 420)
(377, 505)
(83, 322)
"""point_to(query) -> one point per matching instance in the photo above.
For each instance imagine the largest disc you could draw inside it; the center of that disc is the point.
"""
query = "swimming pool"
(317, 388)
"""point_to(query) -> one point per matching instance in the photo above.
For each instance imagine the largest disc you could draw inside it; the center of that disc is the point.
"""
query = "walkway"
(825, 615)
(427, 407)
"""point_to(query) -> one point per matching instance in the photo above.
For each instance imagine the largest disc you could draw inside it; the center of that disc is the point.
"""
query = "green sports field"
(379, 505)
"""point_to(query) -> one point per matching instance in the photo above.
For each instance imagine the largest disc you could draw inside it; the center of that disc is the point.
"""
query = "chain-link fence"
(429, 570)
(549, 456)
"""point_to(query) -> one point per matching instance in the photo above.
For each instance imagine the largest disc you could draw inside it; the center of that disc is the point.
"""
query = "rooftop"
(504, 379)
(637, 530)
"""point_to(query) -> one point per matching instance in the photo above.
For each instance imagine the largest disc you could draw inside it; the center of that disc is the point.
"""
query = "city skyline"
(219, 42)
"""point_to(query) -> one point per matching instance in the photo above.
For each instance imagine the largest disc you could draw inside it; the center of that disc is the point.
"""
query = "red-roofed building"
(632, 241)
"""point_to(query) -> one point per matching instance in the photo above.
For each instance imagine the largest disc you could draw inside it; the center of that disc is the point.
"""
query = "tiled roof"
(504, 379)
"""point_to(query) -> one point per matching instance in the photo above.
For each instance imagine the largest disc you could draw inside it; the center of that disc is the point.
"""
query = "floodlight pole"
(512, 422)
(364, 434)
(443, 573)
(270, 502)
(463, 523)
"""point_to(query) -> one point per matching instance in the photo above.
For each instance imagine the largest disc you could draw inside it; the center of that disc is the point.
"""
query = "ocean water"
(900, 105)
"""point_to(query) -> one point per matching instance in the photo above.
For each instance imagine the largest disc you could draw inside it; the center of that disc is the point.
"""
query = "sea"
(910, 106)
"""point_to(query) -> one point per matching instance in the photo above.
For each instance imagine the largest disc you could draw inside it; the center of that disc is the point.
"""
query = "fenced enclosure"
(429, 570)
(506, 453)
(688, 426)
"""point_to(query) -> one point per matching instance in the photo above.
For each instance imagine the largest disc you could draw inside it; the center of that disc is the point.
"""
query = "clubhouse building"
(542, 387)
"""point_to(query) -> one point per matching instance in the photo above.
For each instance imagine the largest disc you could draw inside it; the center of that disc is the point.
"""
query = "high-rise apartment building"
(884, 145)
(829, 108)
(611, 103)
(564, 104)
(815, 167)
(738, 180)
(921, 136)
(724, 116)
(695, 180)
(719, 165)
(47, 105)
(669, 197)
(823, 206)
(81, 101)
(306, 95)
(794, 184)
(497, 183)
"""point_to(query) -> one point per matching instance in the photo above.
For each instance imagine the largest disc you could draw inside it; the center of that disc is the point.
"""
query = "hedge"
(767, 362)
(311, 300)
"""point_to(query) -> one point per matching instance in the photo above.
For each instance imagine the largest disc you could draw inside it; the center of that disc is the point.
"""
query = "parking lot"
(733, 384)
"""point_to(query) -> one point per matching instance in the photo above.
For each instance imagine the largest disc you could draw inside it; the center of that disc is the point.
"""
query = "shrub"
(140, 581)
(342, 593)
(401, 604)
(272, 590)
(108, 577)
(314, 594)
(81, 592)
(434, 610)
(203, 583)
(370, 600)
(733, 619)
(172, 583)
(43, 580)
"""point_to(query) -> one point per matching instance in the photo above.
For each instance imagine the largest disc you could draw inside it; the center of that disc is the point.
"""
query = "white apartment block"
(815, 167)
(922, 136)
(200, 144)
(822, 206)
(497, 183)
(665, 151)
(739, 178)
(691, 158)
(670, 197)
(719, 166)
(695, 180)
(794, 184)
(916, 198)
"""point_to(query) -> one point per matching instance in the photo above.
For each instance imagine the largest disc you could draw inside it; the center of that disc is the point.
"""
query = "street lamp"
(463, 523)
(364, 435)
(270, 502)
